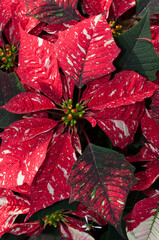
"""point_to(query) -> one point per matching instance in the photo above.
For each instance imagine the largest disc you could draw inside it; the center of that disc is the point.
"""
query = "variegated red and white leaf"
(143, 222)
(10, 207)
(119, 7)
(83, 50)
(26, 129)
(50, 183)
(28, 102)
(97, 6)
(75, 141)
(150, 129)
(128, 87)
(38, 66)
(19, 161)
(147, 177)
(121, 133)
(30, 229)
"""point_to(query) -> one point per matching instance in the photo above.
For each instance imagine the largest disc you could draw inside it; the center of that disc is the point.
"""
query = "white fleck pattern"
(86, 34)
(50, 189)
(82, 49)
(20, 178)
(40, 42)
(6, 151)
(108, 42)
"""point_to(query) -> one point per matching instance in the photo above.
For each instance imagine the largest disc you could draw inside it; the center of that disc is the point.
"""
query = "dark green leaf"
(136, 53)
(101, 179)
(61, 205)
(9, 87)
(9, 237)
(52, 11)
(7, 118)
(141, 5)
(112, 234)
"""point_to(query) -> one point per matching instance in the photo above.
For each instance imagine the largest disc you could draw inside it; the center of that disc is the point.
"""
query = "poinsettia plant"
(79, 124)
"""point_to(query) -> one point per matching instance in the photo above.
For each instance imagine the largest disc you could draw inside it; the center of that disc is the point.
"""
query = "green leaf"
(9, 237)
(52, 11)
(9, 87)
(137, 53)
(141, 5)
(113, 234)
(61, 205)
(101, 179)
(7, 118)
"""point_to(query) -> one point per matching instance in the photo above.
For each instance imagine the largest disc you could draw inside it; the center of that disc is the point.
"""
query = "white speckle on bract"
(98, 38)
(17, 129)
(40, 42)
(108, 42)
(122, 126)
(112, 93)
(50, 189)
(6, 151)
(3, 201)
(47, 62)
(120, 202)
(1, 159)
(97, 18)
(20, 178)
(86, 34)
(69, 61)
(82, 49)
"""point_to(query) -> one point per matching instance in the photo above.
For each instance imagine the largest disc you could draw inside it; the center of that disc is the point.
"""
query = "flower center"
(115, 28)
(54, 218)
(7, 57)
(71, 114)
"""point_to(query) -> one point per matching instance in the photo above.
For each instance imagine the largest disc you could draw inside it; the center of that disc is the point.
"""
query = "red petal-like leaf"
(10, 207)
(143, 221)
(119, 7)
(150, 129)
(121, 123)
(97, 6)
(147, 177)
(120, 132)
(101, 179)
(38, 66)
(126, 88)
(29, 102)
(155, 107)
(83, 50)
(92, 87)
(5, 13)
(21, 160)
(55, 11)
(76, 143)
(31, 228)
(50, 184)
(26, 129)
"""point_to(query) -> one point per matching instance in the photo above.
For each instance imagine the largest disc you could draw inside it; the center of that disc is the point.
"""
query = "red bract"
(116, 7)
(142, 221)
(155, 37)
(87, 50)
(11, 206)
(38, 65)
(149, 153)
